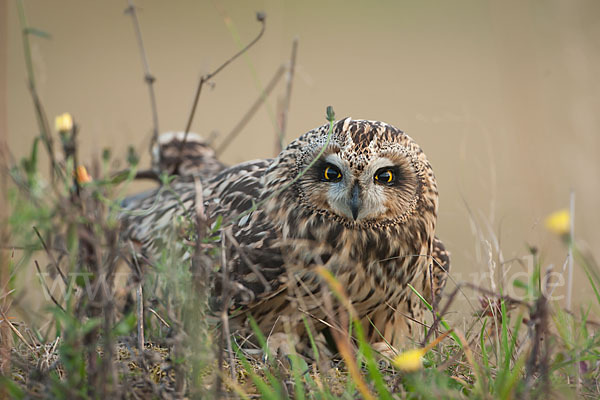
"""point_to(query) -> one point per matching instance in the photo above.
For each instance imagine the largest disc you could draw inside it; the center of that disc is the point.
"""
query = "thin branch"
(251, 111)
(37, 266)
(224, 316)
(260, 17)
(288, 94)
(247, 261)
(52, 259)
(570, 251)
(149, 79)
(40, 114)
(16, 331)
(139, 298)
(161, 319)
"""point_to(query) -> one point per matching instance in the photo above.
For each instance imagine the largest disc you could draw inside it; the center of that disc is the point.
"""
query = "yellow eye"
(331, 174)
(385, 176)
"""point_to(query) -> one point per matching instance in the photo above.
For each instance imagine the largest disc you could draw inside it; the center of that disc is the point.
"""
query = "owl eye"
(331, 173)
(385, 176)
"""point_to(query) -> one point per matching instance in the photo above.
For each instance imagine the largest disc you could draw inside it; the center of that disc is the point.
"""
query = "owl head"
(369, 174)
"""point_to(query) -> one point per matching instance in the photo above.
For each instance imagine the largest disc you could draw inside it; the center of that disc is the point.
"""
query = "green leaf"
(126, 325)
(120, 177)
(90, 325)
(37, 32)
(520, 284)
(13, 389)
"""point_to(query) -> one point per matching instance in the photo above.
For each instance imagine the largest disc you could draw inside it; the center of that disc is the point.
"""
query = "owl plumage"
(366, 210)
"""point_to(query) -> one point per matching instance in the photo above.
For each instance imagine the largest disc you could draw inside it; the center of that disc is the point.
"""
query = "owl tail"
(187, 156)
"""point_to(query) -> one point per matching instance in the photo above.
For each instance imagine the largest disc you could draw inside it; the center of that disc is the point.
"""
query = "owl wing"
(254, 254)
(253, 246)
(148, 215)
(440, 268)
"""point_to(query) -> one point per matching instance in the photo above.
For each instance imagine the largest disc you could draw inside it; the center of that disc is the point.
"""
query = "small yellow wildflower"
(559, 222)
(82, 175)
(63, 122)
(410, 361)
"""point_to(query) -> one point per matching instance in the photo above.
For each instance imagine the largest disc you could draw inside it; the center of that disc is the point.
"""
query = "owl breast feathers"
(366, 209)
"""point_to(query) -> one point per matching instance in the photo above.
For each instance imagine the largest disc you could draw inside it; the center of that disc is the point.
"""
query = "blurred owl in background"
(366, 210)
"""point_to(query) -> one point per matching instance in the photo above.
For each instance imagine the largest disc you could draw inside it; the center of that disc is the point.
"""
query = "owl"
(365, 209)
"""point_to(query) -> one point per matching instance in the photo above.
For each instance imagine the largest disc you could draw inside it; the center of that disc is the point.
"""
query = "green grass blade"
(484, 355)
(372, 366)
(430, 308)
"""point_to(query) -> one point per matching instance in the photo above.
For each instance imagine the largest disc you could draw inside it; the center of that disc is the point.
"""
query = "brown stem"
(149, 79)
(261, 18)
(251, 111)
(288, 94)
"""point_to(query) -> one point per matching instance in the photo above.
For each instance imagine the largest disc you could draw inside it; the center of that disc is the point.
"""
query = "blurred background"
(502, 96)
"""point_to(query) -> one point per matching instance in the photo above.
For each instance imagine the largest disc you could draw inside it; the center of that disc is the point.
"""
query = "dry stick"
(40, 114)
(73, 148)
(224, 316)
(433, 299)
(150, 79)
(37, 266)
(139, 294)
(570, 253)
(205, 78)
(52, 259)
(139, 298)
(288, 94)
(246, 260)
(458, 288)
(157, 315)
(251, 111)
(16, 331)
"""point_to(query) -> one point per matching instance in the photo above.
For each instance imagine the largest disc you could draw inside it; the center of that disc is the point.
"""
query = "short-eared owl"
(366, 210)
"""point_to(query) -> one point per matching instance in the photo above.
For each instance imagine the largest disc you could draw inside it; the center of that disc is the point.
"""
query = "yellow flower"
(63, 122)
(559, 222)
(82, 175)
(410, 361)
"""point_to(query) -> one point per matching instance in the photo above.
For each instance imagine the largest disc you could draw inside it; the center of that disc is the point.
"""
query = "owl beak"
(355, 202)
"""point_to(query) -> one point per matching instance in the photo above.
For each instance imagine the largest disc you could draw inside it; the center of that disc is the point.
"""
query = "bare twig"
(251, 111)
(139, 298)
(149, 79)
(438, 317)
(52, 258)
(16, 331)
(288, 94)
(570, 253)
(37, 266)
(205, 78)
(224, 315)
(247, 261)
(40, 113)
(157, 315)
